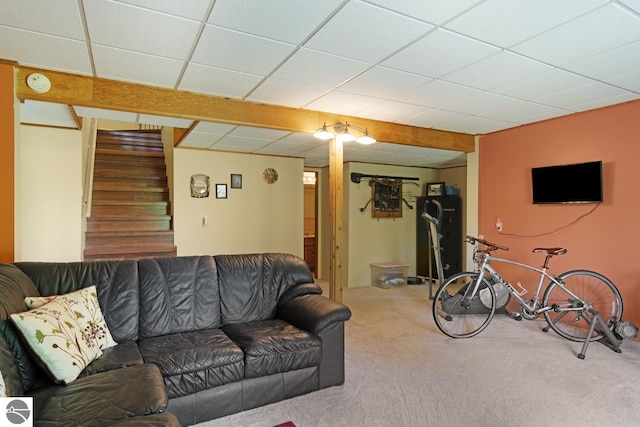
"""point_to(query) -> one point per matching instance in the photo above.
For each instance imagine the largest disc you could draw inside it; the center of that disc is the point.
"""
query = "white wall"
(50, 194)
(471, 202)
(259, 217)
(372, 240)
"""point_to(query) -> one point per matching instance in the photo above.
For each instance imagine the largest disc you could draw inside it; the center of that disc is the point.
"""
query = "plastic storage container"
(389, 274)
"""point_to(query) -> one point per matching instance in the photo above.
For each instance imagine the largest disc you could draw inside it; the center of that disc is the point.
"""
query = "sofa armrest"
(298, 290)
(313, 312)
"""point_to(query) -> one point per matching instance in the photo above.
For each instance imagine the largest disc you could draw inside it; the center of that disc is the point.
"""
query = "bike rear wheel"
(595, 291)
(457, 316)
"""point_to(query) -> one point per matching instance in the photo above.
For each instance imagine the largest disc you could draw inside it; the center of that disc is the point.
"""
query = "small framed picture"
(435, 189)
(221, 191)
(236, 180)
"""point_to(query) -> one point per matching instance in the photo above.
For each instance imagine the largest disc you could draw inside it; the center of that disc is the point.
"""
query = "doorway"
(310, 180)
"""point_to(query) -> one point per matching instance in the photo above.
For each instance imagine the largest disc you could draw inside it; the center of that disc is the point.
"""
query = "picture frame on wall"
(221, 191)
(435, 189)
(236, 180)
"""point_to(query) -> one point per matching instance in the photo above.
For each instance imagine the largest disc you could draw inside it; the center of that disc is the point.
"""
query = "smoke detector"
(38, 82)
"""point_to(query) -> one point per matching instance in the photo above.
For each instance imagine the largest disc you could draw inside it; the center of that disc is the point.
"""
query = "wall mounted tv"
(575, 183)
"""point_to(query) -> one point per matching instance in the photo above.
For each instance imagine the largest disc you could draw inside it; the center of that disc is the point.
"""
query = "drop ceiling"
(467, 66)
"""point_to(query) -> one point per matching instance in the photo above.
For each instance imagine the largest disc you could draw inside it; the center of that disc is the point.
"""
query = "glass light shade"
(366, 139)
(323, 133)
(346, 136)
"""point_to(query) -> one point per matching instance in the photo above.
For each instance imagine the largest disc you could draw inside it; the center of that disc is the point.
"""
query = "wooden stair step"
(141, 253)
(141, 223)
(128, 208)
(130, 250)
(140, 195)
(97, 239)
(130, 182)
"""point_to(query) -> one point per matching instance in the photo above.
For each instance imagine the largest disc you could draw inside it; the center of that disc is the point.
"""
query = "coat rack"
(386, 194)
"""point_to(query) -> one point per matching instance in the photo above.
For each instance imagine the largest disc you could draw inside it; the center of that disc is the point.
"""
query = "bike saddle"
(550, 251)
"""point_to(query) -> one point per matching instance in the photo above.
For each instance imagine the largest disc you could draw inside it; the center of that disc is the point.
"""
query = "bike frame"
(486, 269)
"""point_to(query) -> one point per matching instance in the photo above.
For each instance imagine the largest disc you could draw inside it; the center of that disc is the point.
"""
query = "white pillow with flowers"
(54, 335)
(85, 306)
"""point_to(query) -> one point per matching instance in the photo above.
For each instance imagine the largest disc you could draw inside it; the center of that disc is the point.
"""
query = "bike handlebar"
(490, 246)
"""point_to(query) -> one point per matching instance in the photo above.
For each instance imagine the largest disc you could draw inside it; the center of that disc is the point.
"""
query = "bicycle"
(574, 303)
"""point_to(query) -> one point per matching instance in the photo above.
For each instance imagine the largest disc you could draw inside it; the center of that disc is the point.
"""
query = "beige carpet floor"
(402, 371)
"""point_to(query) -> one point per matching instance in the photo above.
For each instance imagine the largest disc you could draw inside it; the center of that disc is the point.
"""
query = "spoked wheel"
(456, 315)
(594, 291)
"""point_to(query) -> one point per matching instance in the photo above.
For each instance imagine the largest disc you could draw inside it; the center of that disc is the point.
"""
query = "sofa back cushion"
(116, 283)
(178, 295)
(14, 287)
(251, 285)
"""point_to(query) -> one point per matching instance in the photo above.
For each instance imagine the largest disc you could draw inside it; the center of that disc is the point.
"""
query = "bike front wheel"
(458, 316)
(594, 291)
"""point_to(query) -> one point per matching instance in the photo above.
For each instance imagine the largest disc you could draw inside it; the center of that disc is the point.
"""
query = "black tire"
(456, 318)
(595, 291)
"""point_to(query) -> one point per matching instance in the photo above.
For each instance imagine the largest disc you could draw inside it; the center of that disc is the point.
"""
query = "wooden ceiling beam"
(87, 91)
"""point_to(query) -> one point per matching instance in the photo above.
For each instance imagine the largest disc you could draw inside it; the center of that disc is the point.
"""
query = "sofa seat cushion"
(194, 361)
(166, 419)
(121, 356)
(102, 399)
(274, 346)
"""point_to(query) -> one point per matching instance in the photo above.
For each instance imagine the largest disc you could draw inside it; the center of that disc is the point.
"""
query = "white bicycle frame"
(485, 268)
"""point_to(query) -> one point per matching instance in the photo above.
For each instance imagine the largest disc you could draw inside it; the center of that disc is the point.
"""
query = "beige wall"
(373, 240)
(50, 194)
(259, 217)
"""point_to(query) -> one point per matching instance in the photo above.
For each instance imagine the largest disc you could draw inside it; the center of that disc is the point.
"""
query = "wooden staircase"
(130, 209)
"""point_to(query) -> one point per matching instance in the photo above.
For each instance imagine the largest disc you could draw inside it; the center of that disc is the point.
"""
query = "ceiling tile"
(478, 125)
(366, 33)
(100, 113)
(632, 4)
(629, 81)
(497, 70)
(217, 81)
(480, 103)
(605, 102)
(237, 51)
(542, 84)
(267, 19)
(391, 111)
(433, 118)
(439, 53)
(236, 143)
(135, 67)
(59, 18)
(436, 93)
(571, 98)
(611, 63)
(149, 119)
(258, 133)
(383, 82)
(282, 148)
(192, 9)
(319, 69)
(505, 23)
(39, 50)
(140, 30)
(434, 11)
(520, 112)
(200, 139)
(282, 92)
(583, 36)
(215, 128)
(46, 113)
(343, 103)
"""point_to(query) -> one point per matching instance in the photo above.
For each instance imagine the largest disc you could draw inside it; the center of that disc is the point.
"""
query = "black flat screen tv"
(576, 183)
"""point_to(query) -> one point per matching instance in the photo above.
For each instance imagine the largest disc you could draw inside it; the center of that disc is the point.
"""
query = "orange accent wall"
(606, 240)
(7, 167)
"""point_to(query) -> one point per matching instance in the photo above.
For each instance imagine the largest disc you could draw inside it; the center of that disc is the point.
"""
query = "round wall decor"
(270, 175)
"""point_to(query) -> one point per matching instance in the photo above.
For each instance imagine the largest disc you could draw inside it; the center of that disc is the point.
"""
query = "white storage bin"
(389, 274)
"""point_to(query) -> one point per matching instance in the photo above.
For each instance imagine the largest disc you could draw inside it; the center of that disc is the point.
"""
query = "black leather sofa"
(198, 338)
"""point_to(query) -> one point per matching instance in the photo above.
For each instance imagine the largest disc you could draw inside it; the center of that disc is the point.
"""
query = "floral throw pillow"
(85, 306)
(3, 389)
(54, 335)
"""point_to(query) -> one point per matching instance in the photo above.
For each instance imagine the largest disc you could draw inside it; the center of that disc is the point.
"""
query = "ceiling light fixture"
(342, 132)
